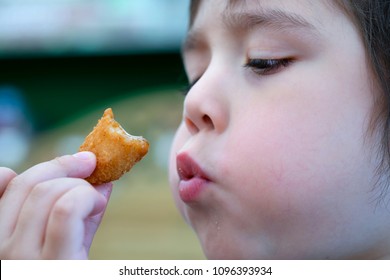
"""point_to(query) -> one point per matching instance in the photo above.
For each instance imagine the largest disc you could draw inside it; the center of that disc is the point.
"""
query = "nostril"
(192, 128)
(207, 120)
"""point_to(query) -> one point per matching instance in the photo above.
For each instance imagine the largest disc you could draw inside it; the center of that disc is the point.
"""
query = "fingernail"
(83, 155)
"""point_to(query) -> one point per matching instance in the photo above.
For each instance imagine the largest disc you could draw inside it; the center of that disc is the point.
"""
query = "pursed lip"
(193, 179)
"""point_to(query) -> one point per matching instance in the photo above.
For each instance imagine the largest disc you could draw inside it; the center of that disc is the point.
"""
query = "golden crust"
(116, 151)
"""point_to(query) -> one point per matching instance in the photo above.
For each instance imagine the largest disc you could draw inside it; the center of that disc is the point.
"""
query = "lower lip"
(190, 190)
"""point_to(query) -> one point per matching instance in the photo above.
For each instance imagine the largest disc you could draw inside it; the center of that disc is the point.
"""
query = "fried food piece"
(116, 151)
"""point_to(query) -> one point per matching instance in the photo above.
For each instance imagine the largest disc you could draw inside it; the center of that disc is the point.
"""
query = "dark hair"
(194, 7)
(372, 20)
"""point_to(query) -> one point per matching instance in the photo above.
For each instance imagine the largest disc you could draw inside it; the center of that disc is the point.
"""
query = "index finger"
(80, 165)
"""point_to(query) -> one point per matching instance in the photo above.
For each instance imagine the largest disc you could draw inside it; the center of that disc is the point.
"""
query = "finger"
(6, 175)
(105, 190)
(65, 230)
(34, 215)
(92, 223)
(80, 165)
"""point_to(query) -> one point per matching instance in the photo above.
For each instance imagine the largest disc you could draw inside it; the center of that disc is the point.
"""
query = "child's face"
(271, 159)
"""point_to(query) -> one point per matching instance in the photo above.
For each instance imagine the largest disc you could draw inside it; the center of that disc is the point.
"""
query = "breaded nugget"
(116, 151)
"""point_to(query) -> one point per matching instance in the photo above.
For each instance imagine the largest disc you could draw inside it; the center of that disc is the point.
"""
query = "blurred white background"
(91, 26)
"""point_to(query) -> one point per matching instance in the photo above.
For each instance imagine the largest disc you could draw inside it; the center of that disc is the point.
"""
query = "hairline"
(247, 20)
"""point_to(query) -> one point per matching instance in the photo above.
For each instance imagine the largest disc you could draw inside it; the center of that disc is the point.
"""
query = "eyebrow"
(275, 19)
(192, 41)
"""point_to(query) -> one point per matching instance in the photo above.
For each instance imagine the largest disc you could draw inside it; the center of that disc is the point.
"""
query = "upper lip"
(188, 168)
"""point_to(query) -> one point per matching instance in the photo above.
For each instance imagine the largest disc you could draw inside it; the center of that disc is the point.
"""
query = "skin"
(290, 163)
(291, 166)
(49, 211)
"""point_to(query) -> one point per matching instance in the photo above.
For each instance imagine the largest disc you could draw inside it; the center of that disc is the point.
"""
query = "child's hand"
(49, 211)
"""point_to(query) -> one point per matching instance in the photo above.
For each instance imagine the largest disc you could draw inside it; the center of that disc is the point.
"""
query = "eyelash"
(265, 67)
(260, 67)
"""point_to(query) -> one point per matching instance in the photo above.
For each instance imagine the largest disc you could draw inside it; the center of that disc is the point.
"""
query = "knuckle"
(70, 166)
(66, 206)
(63, 210)
(55, 187)
(61, 162)
(15, 184)
(40, 190)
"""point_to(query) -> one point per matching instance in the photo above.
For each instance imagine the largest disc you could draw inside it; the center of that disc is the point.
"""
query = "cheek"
(266, 169)
(300, 157)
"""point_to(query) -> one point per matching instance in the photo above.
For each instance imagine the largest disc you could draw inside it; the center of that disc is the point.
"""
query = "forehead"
(242, 16)
(195, 4)
(232, 5)
(315, 15)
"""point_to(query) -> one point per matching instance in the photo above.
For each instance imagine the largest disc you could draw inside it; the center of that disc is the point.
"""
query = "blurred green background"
(51, 96)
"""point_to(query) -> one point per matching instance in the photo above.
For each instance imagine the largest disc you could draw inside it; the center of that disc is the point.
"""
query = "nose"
(206, 106)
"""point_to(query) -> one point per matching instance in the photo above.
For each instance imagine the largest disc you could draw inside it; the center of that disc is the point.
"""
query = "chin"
(220, 247)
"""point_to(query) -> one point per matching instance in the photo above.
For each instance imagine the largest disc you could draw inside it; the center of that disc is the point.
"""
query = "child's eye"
(189, 86)
(259, 66)
(267, 66)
